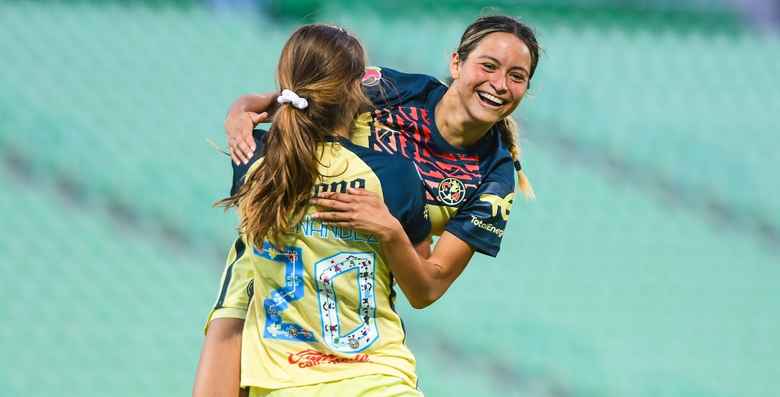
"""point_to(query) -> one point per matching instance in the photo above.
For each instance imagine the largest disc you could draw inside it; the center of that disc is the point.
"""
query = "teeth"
(492, 98)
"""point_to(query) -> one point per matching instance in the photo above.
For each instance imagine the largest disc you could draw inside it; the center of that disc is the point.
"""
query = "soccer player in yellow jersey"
(313, 303)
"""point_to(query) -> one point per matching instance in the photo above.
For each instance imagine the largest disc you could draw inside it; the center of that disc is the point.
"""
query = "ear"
(454, 66)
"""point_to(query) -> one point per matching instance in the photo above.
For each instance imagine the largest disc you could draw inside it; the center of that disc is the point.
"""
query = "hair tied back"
(293, 99)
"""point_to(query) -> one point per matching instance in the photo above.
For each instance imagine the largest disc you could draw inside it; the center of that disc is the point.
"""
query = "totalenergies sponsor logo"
(311, 358)
(486, 226)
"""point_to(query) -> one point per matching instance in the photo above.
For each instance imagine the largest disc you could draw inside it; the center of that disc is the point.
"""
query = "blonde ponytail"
(508, 128)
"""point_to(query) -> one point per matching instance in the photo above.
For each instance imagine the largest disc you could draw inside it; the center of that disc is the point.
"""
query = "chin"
(482, 115)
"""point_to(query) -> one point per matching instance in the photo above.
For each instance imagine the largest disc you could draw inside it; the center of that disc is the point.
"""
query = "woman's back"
(321, 305)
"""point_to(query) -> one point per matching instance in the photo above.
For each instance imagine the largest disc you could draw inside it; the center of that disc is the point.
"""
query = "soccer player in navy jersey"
(309, 306)
(461, 138)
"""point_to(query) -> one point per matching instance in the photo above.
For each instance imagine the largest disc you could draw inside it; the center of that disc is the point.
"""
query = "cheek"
(518, 91)
(517, 95)
(474, 77)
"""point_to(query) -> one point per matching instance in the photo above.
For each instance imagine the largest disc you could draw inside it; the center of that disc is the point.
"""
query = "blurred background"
(648, 266)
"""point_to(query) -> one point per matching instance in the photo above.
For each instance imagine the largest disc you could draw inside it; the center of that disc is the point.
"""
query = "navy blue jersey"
(469, 192)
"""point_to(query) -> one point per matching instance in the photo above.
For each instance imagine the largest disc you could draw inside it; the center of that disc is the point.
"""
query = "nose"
(498, 82)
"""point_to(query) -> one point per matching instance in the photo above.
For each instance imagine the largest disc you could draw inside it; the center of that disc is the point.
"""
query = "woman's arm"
(425, 280)
(422, 278)
(244, 114)
(219, 369)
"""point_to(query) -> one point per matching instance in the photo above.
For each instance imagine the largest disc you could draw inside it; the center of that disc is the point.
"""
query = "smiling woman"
(465, 154)
(491, 72)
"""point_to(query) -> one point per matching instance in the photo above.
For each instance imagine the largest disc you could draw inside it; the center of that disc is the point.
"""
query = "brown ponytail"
(323, 64)
(508, 129)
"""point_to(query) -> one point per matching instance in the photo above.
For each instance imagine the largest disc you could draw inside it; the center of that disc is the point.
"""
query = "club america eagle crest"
(451, 191)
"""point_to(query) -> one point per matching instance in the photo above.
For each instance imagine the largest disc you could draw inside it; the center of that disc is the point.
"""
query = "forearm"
(257, 103)
(218, 373)
(422, 280)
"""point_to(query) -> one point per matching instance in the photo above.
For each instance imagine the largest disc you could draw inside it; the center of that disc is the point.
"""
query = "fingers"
(342, 197)
(342, 225)
(365, 196)
(258, 118)
(332, 217)
(359, 192)
(235, 158)
(331, 204)
(244, 151)
(246, 134)
(239, 131)
(236, 153)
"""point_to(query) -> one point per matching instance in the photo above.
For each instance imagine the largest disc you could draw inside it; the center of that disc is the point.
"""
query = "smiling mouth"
(491, 100)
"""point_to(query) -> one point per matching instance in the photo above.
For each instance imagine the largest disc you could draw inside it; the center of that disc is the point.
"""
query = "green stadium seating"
(620, 280)
(90, 307)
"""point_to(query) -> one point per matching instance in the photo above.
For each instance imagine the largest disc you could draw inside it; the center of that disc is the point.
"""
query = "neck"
(454, 124)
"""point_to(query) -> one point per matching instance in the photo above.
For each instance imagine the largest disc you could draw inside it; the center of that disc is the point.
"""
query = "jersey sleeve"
(236, 285)
(386, 87)
(240, 170)
(482, 220)
(405, 198)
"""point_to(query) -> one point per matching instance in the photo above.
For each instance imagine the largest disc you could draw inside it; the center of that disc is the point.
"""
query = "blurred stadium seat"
(648, 266)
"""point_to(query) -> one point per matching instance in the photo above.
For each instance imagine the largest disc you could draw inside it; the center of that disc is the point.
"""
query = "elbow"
(423, 300)
(432, 289)
(420, 304)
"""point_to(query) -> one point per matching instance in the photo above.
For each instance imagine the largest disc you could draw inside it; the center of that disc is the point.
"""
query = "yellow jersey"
(321, 309)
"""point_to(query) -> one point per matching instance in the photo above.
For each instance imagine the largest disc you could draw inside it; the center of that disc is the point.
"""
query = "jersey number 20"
(325, 272)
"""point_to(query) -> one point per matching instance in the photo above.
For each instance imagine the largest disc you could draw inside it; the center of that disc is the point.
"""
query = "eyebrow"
(499, 62)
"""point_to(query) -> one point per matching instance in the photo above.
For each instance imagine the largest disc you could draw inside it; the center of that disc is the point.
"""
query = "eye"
(489, 67)
(517, 77)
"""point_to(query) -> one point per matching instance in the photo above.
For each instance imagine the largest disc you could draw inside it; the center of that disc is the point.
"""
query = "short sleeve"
(482, 220)
(386, 87)
(236, 285)
(240, 170)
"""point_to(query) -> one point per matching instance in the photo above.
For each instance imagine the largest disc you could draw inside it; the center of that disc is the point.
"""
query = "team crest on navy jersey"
(451, 191)
(449, 177)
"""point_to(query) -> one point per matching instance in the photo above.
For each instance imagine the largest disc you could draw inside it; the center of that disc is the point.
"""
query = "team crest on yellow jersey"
(499, 205)
(451, 191)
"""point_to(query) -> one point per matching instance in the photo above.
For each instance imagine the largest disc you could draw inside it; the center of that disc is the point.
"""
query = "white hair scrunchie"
(293, 99)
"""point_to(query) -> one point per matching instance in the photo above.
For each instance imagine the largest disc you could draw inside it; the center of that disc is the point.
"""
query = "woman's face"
(492, 80)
